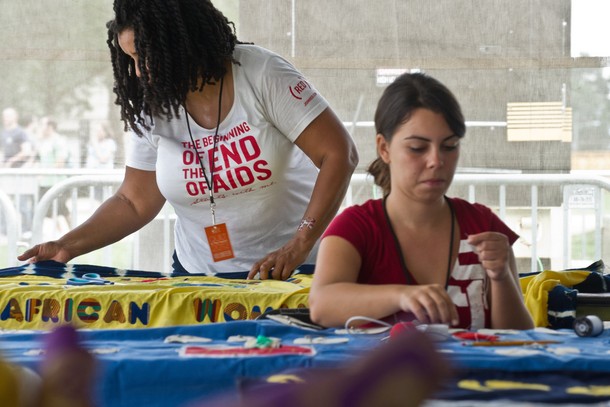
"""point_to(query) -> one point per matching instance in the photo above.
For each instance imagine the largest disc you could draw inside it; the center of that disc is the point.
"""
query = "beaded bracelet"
(306, 223)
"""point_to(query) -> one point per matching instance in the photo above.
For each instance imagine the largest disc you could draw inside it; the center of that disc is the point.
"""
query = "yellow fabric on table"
(36, 302)
(536, 289)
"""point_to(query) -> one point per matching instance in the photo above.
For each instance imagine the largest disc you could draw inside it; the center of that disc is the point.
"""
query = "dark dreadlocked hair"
(181, 44)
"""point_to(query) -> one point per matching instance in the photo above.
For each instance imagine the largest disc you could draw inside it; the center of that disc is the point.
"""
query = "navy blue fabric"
(177, 267)
(50, 268)
(562, 307)
(595, 283)
(145, 371)
(556, 384)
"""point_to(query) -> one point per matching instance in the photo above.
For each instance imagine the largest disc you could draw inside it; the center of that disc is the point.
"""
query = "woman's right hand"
(430, 304)
(46, 251)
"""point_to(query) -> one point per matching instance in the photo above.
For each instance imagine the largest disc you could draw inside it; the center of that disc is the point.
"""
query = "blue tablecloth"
(138, 368)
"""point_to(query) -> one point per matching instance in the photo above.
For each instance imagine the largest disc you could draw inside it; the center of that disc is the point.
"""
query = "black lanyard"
(408, 275)
(210, 182)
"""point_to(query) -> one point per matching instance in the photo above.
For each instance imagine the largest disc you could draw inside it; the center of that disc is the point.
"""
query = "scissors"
(88, 279)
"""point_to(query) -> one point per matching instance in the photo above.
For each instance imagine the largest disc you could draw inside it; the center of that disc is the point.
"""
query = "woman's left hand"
(280, 264)
(330, 148)
(493, 250)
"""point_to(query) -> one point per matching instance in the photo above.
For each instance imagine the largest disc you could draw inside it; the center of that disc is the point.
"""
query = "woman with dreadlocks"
(249, 154)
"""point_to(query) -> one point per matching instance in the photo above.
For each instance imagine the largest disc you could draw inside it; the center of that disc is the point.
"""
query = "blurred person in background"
(17, 152)
(101, 148)
(101, 151)
(52, 152)
(17, 147)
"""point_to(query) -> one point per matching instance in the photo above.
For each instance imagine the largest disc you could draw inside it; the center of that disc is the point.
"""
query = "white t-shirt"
(263, 181)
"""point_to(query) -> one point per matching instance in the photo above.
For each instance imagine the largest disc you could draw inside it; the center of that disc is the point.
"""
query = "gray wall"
(488, 52)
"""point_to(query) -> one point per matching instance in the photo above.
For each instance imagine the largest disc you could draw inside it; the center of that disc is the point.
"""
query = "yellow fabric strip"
(34, 302)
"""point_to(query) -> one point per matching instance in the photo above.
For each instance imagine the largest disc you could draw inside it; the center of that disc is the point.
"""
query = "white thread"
(367, 319)
(436, 332)
(384, 326)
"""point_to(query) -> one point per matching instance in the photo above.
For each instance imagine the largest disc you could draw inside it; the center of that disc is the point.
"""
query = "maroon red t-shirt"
(366, 228)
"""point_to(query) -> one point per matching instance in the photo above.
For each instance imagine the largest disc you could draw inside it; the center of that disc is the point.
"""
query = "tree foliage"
(53, 56)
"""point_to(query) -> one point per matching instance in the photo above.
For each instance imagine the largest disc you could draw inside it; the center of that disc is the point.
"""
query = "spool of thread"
(437, 332)
(590, 325)
(400, 327)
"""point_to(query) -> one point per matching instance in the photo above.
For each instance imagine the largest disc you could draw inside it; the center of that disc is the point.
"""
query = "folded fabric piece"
(550, 296)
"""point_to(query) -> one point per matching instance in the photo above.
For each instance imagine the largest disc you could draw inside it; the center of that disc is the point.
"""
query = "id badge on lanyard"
(217, 234)
(218, 239)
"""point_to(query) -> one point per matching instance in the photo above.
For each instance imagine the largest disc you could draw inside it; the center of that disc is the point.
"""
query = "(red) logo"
(299, 88)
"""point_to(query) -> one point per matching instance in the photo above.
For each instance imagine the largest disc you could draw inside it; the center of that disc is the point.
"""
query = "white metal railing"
(23, 185)
(69, 184)
(361, 188)
(12, 222)
(590, 200)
